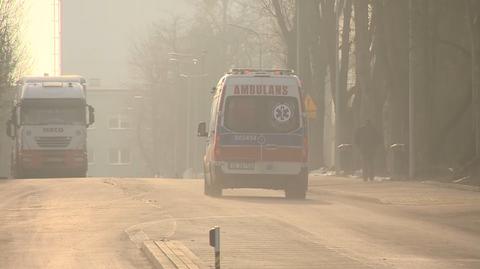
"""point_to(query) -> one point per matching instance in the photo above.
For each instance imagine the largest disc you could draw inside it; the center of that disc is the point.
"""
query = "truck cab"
(257, 134)
(48, 124)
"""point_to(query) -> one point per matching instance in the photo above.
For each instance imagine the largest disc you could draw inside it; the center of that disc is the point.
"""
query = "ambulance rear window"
(261, 114)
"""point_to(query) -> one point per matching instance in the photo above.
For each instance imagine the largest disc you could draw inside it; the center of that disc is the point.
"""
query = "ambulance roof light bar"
(246, 71)
(38, 79)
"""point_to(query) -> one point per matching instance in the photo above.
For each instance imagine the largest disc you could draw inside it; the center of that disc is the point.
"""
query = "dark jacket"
(367, 140)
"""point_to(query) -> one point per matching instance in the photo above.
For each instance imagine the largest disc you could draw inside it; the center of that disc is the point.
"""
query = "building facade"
(114, 147)
(97, 38)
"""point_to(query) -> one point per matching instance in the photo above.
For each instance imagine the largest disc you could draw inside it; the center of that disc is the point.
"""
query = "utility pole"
(411, 94)
(298, 36)
(224, 39)
(473, 25)
(56, 36)
(301, 37)
(338, 109)
(155, 134)
(476, 79)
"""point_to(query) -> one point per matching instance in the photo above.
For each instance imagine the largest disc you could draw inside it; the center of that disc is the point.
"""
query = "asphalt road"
(344, 223)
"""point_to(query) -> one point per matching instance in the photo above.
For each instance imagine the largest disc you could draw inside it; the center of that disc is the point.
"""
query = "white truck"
(49, 124)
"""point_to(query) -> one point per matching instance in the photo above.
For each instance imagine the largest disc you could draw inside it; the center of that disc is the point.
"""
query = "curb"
(170, 255)
(155, 256)
(453, 186)
(349, 196)
(369, 199)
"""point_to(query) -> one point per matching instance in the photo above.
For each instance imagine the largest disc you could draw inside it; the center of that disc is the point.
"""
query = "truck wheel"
(81, 175)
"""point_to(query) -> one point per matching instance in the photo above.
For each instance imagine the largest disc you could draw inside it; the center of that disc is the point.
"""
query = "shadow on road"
(272, 200)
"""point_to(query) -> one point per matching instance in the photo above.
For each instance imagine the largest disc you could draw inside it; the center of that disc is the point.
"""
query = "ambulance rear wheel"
(293, 193)
(18, 173)
(206, 188)
(216, 190)
(212, 186)
(212, 190)
(296, 188)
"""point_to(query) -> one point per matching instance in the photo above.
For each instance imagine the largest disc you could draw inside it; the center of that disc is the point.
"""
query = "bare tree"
(11, 62)
(10, 49)
(173, 65)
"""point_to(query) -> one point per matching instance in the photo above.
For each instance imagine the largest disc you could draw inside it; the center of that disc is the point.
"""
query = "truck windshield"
(261, 114)
(41, 115)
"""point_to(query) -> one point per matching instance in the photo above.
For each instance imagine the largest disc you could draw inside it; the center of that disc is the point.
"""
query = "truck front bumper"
(54, 162)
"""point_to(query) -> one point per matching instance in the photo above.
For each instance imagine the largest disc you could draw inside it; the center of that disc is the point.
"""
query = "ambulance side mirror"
(15, 119)
(91, 115)
(10, 129)
(202, 130)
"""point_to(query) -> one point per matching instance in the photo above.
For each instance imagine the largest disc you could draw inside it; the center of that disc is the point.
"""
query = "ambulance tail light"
(217, 151)
(305, 150)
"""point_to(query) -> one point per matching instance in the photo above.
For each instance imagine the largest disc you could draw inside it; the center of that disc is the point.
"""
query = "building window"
(118, 123)
(91, 156)
(118, 156)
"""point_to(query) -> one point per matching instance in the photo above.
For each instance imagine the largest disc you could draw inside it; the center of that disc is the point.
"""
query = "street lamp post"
(174, 60)
(139, 102)
(259, 40)
(191, 101)
(192, 114)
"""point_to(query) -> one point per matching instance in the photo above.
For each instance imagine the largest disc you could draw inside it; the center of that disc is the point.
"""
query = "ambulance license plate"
(241, 165)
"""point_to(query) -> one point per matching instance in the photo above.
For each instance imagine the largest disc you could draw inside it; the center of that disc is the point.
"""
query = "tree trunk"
(341, 97)
(362, 56)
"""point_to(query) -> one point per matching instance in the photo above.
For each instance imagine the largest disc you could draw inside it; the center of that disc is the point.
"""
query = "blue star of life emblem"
(282, 113)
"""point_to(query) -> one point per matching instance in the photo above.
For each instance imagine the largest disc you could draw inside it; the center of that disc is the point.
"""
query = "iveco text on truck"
(49, 126)
(257, 136)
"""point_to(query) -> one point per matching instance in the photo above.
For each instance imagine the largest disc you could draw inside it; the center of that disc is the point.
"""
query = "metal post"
(189, 124)
(217, 259)
(155, 136)
(215, 242)
(175, 125)
(411, 96)
(175, 136)
(260, 45)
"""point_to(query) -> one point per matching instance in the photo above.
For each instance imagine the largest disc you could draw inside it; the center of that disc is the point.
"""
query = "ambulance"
(257, 134)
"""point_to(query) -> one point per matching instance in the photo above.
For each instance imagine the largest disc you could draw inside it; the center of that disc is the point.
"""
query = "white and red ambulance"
(257, 135)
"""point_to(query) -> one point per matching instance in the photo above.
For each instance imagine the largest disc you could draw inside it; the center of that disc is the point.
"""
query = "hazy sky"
(38, 35)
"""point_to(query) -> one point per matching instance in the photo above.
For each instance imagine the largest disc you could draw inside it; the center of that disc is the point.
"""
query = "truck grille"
(53, 141)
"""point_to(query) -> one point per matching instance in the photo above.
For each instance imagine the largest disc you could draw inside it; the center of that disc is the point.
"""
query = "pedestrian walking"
(367, 140)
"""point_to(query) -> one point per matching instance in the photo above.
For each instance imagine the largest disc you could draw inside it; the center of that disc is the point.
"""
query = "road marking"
(156, 256)
(130, 231)
(136, 234)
